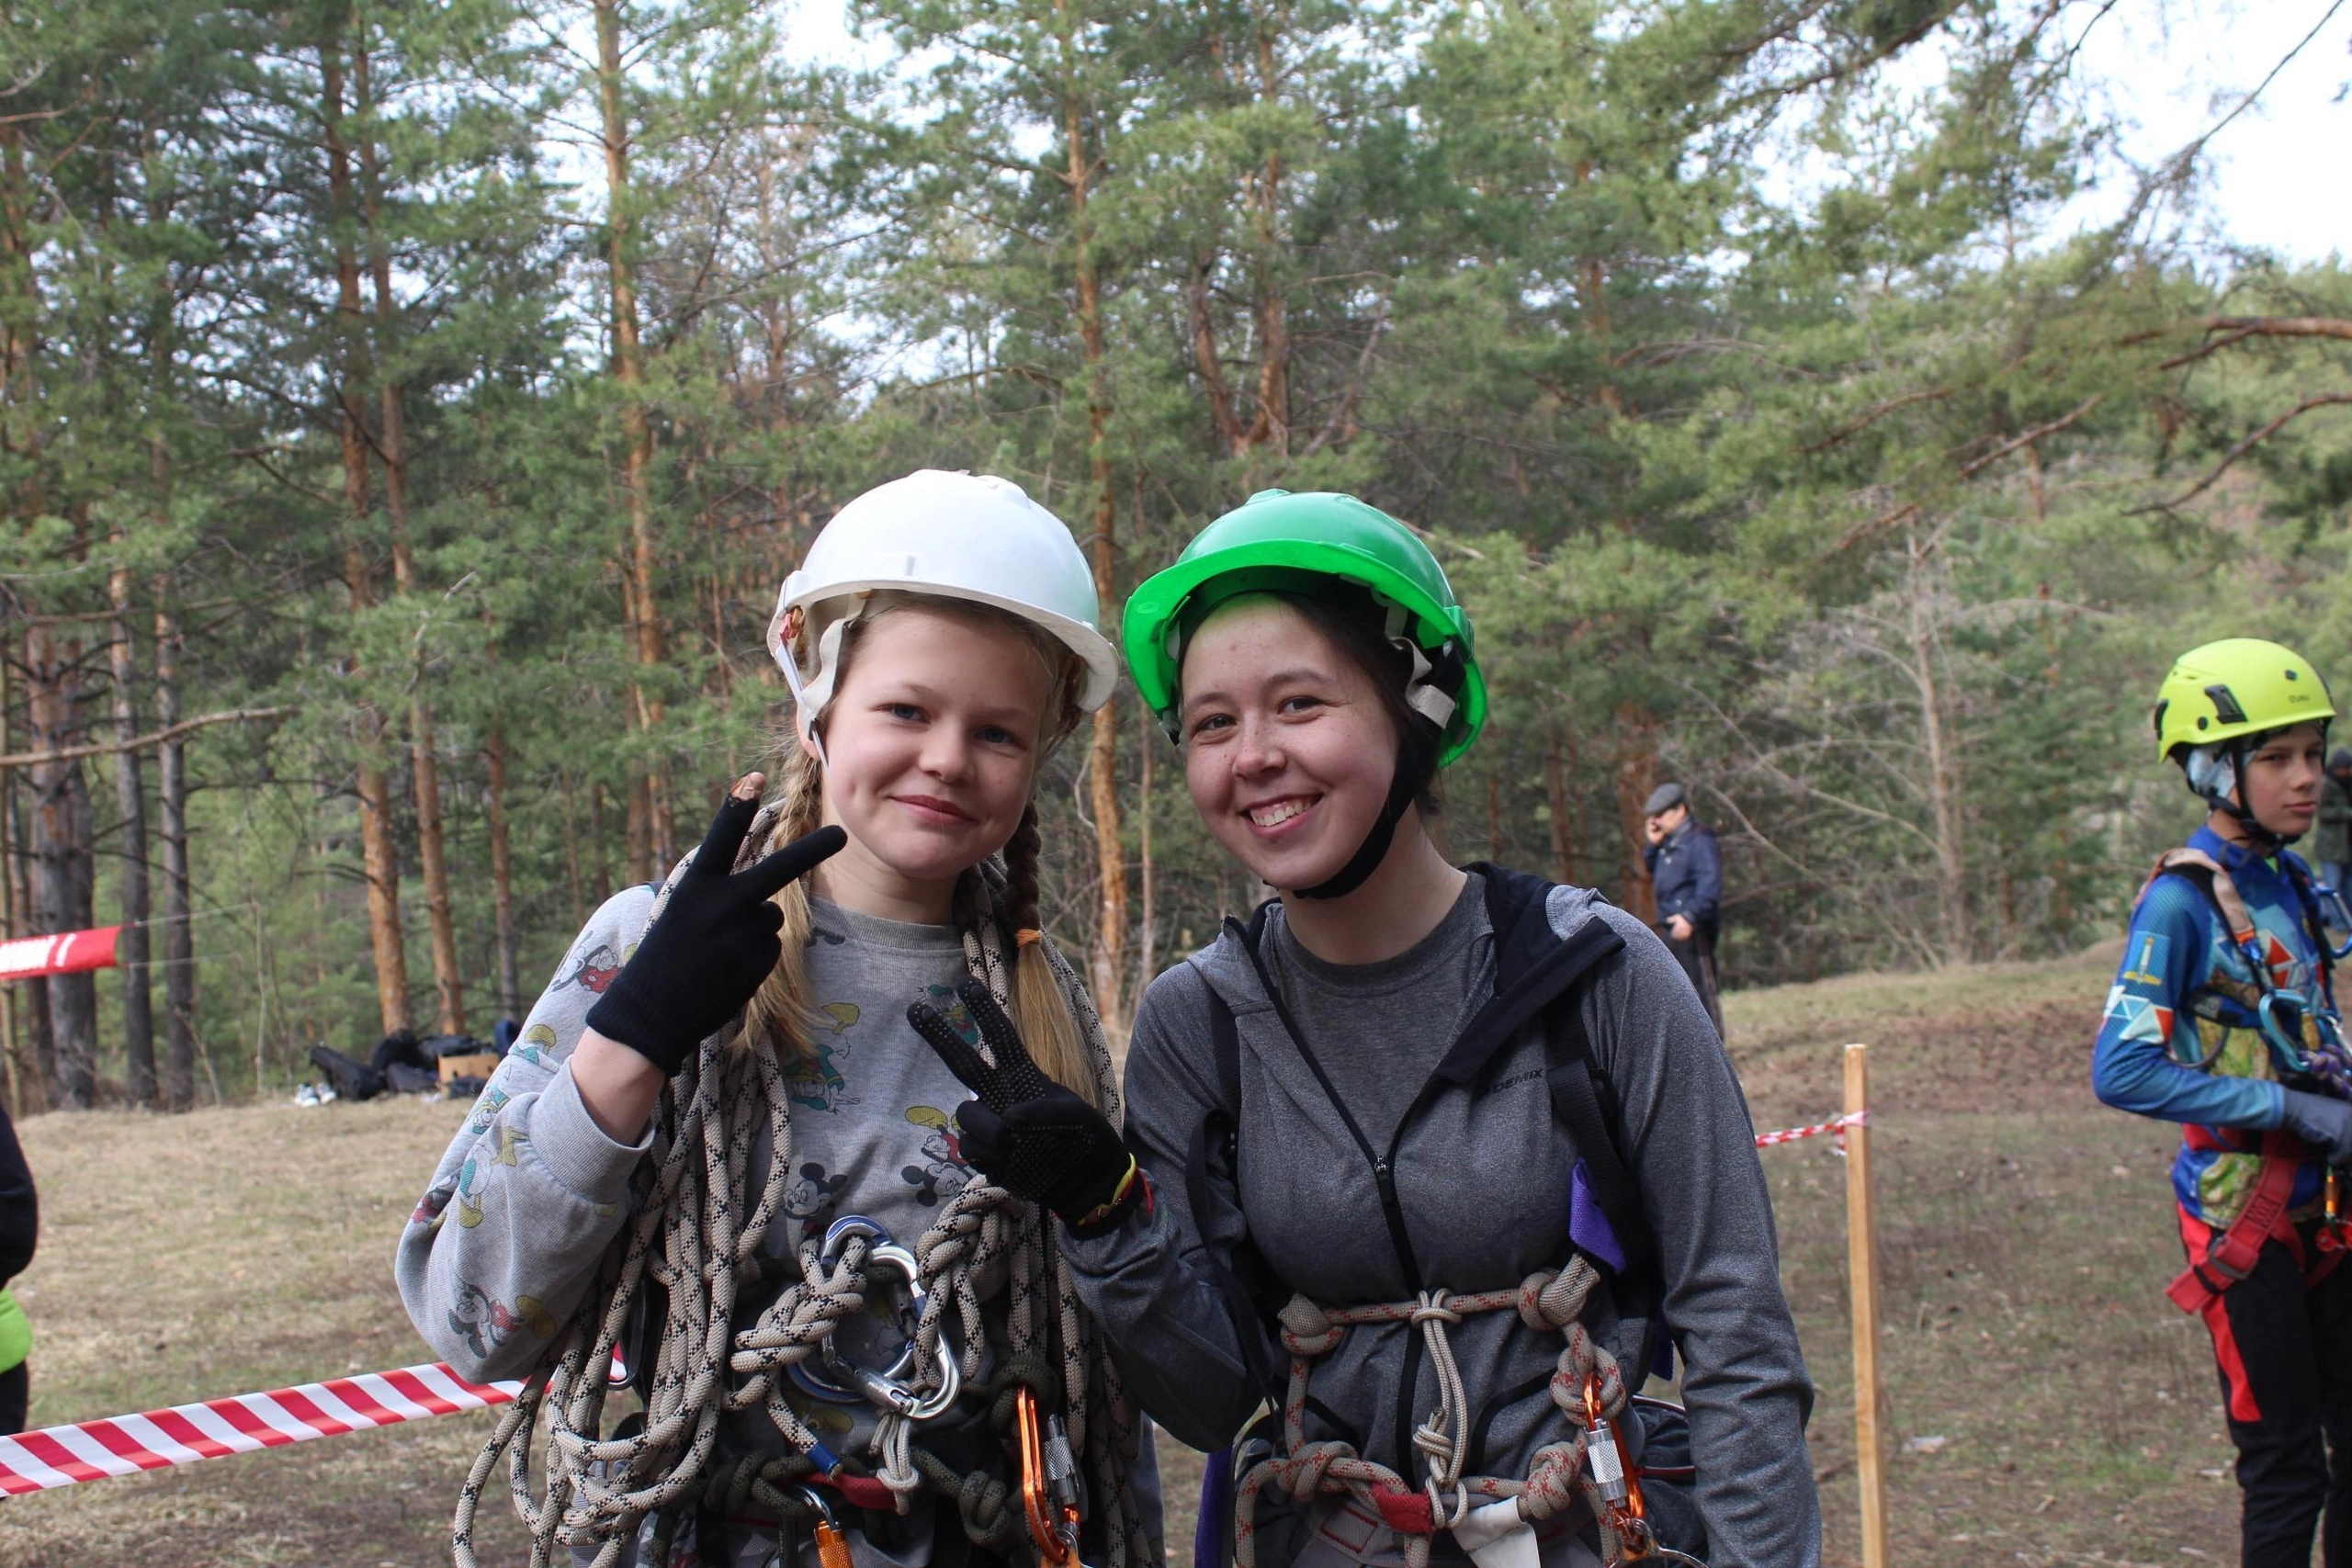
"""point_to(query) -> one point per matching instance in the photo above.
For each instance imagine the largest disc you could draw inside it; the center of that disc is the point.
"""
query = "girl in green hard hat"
(2221, 1019)
(1440, 1161)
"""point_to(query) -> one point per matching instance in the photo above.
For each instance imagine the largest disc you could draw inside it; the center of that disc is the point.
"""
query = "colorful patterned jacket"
(2184, 994)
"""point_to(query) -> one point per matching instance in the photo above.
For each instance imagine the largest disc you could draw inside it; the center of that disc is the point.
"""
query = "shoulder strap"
(1577, 1091)
(1215, 1151)
(2202, 868)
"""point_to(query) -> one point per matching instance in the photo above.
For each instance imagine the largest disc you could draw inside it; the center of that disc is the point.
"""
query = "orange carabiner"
(1620, 1485)
(1057, 1540)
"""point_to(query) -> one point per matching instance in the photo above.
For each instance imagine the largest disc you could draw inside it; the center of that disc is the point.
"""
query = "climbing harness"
(697, 1232)
(1587, 1387)
(2221, 1257)
(2280, 1015)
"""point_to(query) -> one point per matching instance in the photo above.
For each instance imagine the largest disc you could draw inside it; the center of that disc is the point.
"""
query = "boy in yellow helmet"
(2221, 1019)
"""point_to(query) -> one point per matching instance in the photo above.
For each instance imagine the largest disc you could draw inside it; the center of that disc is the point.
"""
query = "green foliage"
(1863, 500)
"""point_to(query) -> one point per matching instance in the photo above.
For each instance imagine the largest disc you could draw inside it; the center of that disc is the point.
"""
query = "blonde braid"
(780, 1010)
(1040, 1007)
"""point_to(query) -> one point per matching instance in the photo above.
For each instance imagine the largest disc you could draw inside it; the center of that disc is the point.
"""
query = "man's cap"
(2340, 760)
(1666, 797)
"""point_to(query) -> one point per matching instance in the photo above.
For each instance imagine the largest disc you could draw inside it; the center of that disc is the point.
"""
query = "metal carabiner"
(2324, 894)
(1620, 1483)
(1055, 1529)
(2285, 1045)
(832, 1544)
(844, 1381)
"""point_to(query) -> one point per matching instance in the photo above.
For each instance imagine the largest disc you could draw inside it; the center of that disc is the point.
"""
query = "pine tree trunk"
(1636, 776)
(424, 765)
(28, 1075)
(1943, 774)
(501, 878)
(1147, 923)
(648, 802)
(179, 955)
(1557, 790)
(20, 439)
(63, 864)
(130, 805)
(379, 856)
(1109, 967)
(1271, 426)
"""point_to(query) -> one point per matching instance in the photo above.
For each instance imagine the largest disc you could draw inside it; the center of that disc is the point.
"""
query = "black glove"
(713, 943)
(2323, 1122)
(1026, 1132)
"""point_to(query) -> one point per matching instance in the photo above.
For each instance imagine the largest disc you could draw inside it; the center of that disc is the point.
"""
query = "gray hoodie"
(1481, 1170)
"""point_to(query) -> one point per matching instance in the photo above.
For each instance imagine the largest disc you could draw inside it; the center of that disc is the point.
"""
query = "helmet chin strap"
(2229, 801)
(1375, 848)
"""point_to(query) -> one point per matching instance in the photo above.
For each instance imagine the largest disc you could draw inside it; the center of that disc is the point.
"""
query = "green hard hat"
(1280, 543)
(2239, 686)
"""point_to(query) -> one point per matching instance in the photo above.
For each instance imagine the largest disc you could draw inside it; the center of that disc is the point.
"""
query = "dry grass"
(219, 1253)
(2026, 1240)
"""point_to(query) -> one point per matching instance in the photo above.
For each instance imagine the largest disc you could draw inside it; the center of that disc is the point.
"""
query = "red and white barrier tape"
(60, 1456)
(1837, 1124)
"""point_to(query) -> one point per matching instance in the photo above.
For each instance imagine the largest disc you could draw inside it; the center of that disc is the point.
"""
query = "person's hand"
(2323, 1122)
(1026, 1133)
(1681, 926)
(714, 942)
(1652, 830)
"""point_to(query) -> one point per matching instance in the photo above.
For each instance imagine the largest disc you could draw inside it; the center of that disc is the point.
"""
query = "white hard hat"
(953, 535)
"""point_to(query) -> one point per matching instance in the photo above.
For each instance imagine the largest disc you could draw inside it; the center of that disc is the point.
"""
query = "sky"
(2280, 174)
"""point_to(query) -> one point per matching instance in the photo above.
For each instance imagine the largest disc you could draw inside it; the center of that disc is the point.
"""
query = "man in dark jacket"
(1687, 874)
(19, 1223)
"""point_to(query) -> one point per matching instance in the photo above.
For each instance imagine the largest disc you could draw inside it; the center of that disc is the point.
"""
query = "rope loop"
(1307, 1329)
(1429, 1307)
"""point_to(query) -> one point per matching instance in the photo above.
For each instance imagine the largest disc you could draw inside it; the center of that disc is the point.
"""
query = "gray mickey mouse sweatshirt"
(531, 1192)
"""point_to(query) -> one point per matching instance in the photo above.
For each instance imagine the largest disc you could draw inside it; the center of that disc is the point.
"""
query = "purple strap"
(1588, 1227)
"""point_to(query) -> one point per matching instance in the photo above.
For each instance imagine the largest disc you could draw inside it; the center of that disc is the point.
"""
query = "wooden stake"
(1861, 1243)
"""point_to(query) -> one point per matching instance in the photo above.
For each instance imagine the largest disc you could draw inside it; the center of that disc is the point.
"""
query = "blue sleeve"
(1706, 880)
(2133, 1065)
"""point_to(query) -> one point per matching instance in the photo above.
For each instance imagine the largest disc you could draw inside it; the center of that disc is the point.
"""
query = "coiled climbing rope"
(699, 1231)
(1556, 1476)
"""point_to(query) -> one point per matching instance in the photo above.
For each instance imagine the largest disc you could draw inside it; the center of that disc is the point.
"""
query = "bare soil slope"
(2025, 1231)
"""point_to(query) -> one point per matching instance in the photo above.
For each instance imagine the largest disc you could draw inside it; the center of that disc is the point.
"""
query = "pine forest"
(409, 408)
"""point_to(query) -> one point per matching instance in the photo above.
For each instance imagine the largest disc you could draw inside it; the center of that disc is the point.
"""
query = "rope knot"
(1431, 1307)
(1307, 1329)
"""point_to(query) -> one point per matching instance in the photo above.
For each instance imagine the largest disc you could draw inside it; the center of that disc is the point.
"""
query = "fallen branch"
(2324, 400)
(141, 742)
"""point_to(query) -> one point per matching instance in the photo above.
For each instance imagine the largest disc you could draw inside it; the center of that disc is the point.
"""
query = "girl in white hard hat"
(720, 1165)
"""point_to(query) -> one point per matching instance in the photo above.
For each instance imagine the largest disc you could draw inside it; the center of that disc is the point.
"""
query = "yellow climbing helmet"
(2239, 686)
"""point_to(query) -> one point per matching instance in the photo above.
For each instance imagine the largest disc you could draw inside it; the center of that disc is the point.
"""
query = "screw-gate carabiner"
(1053, 1528)
(832, 1545)
(844, 1382)
(2324, 894)
(1619, 1482)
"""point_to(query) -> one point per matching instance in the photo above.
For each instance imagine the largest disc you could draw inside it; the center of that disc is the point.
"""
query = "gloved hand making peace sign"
(712, 945)
(1026, 1133)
